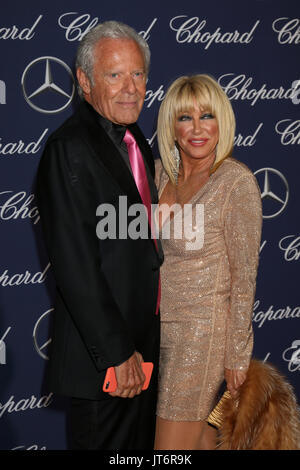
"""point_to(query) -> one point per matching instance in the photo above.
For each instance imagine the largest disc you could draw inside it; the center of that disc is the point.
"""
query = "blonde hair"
(181, 97)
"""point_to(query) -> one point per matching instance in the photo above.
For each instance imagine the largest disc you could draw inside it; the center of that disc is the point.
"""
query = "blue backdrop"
(252, 49)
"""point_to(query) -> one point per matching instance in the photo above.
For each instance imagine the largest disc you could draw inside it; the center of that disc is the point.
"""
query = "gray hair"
(112, 30)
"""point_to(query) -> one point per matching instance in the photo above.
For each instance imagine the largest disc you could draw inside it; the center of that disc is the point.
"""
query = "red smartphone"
(110, 382)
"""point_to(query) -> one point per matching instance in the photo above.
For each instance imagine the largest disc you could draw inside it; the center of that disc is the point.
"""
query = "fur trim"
(264, 416)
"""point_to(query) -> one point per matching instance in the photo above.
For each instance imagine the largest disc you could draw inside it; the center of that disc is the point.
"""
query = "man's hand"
(234, 379)
(130, 377)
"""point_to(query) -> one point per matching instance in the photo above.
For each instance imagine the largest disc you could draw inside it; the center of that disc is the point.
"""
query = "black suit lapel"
(107, 154)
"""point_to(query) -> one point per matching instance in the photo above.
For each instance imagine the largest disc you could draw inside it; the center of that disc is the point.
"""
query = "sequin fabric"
(208, 293)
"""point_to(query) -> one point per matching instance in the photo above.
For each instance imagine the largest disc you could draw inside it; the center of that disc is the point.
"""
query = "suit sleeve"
(68, 214)
(242, 222)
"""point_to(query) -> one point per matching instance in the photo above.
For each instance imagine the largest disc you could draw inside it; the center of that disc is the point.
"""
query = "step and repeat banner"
(252, 49)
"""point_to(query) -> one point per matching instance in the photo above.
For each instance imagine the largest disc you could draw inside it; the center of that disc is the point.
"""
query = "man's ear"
(83, 81)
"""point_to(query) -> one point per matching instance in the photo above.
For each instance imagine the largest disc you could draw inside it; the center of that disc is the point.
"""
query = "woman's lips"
(197, 142)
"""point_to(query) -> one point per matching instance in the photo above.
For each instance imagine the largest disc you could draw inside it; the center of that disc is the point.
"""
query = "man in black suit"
(106, 311)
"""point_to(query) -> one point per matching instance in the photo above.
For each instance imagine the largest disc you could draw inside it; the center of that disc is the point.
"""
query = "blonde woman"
(207, 288)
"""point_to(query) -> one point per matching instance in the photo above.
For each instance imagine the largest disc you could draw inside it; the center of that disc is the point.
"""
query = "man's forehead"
(118, 53)
(105, 45)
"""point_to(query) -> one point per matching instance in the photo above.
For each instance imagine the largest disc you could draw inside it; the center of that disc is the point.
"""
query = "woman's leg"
(183, 435)
(208, 440)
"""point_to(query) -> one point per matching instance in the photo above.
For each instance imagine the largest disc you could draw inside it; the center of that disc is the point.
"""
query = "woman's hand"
(234, 379)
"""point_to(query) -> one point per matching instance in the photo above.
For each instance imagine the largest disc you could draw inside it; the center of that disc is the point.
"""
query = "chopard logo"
(291, 247)
(288, 30)
(238, 87)
(273, 313)
(37, 80)
(249, 140)
(17, 33)
(146, 34)
(274, 191)
(153, 95)
(289, 131)
(39, 332)
(10, 208)
(76, 26)
(7, 280)
(193, 30)
(31, 403)
(292, 356)
(18, 148)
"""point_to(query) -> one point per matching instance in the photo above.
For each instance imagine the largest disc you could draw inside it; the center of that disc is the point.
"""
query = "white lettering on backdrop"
(25, 404)
(249, 140)
(146, 34)
(237, 87)
(292, 356)
(289, 131)
(190, 30)
(14, 32)
(291, 247)
(8, 280)
(11, 148)
(261, 316)
(77, 26)
(18, 205)
(288, 30)
(153, 95)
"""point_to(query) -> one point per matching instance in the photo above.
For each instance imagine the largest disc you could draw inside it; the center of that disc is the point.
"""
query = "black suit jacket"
(106, 289)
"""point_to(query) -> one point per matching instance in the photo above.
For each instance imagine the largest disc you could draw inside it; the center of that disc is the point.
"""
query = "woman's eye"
(184, 117)
(207, 116)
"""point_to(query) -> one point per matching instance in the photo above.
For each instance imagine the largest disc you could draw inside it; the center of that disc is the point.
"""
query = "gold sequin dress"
(208, 292)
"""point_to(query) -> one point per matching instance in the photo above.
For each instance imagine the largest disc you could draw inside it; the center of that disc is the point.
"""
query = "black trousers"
(119, 423)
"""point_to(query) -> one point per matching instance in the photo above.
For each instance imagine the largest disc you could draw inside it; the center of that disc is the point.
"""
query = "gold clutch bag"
(216, 416)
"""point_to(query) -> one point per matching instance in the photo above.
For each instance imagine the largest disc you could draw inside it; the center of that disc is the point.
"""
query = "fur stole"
(264, 416)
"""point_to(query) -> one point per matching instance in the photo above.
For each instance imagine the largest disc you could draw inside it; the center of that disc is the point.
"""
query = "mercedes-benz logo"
(40, 345)
(37, 81)
(275, 200)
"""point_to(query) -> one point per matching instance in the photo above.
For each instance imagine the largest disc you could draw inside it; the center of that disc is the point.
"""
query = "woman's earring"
(176, 156)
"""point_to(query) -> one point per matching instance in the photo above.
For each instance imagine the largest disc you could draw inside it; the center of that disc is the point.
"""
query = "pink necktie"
(141, 180)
